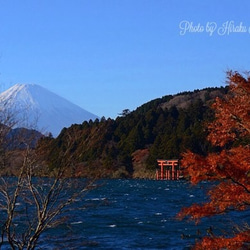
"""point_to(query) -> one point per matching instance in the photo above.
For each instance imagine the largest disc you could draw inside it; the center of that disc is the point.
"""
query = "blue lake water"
(136, 214)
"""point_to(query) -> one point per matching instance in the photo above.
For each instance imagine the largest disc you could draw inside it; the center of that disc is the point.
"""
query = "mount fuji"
(33, 105)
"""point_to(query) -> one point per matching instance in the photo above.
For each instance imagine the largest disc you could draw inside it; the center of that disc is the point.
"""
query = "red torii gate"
(169, 170)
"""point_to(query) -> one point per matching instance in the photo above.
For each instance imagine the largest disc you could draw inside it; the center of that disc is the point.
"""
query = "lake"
(136, 214)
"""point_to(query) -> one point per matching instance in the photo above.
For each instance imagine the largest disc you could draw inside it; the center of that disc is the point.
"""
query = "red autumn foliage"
(229, 165)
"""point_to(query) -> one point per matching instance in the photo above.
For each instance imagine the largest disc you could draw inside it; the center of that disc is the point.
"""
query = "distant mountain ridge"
(38, 108)
(185, 99)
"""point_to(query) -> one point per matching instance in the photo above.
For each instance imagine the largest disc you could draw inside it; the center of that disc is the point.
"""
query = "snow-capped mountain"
(36, 107)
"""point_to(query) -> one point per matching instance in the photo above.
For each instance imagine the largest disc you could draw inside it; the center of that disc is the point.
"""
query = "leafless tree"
(30, 205)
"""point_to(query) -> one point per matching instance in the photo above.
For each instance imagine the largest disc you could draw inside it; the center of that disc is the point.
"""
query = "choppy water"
(135, 214)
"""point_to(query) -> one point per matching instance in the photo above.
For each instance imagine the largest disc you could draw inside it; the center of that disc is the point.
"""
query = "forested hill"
(130, 145)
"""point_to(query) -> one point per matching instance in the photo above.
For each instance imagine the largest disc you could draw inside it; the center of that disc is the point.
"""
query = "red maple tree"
(229, 164)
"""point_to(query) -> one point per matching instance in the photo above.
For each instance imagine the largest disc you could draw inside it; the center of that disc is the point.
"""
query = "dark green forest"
(128, 146)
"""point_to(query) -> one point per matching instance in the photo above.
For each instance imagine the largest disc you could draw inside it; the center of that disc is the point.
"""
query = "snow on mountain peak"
(19, 94)
(34, 104)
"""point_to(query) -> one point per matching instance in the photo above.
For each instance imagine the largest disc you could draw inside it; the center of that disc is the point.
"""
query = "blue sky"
(111, 55)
